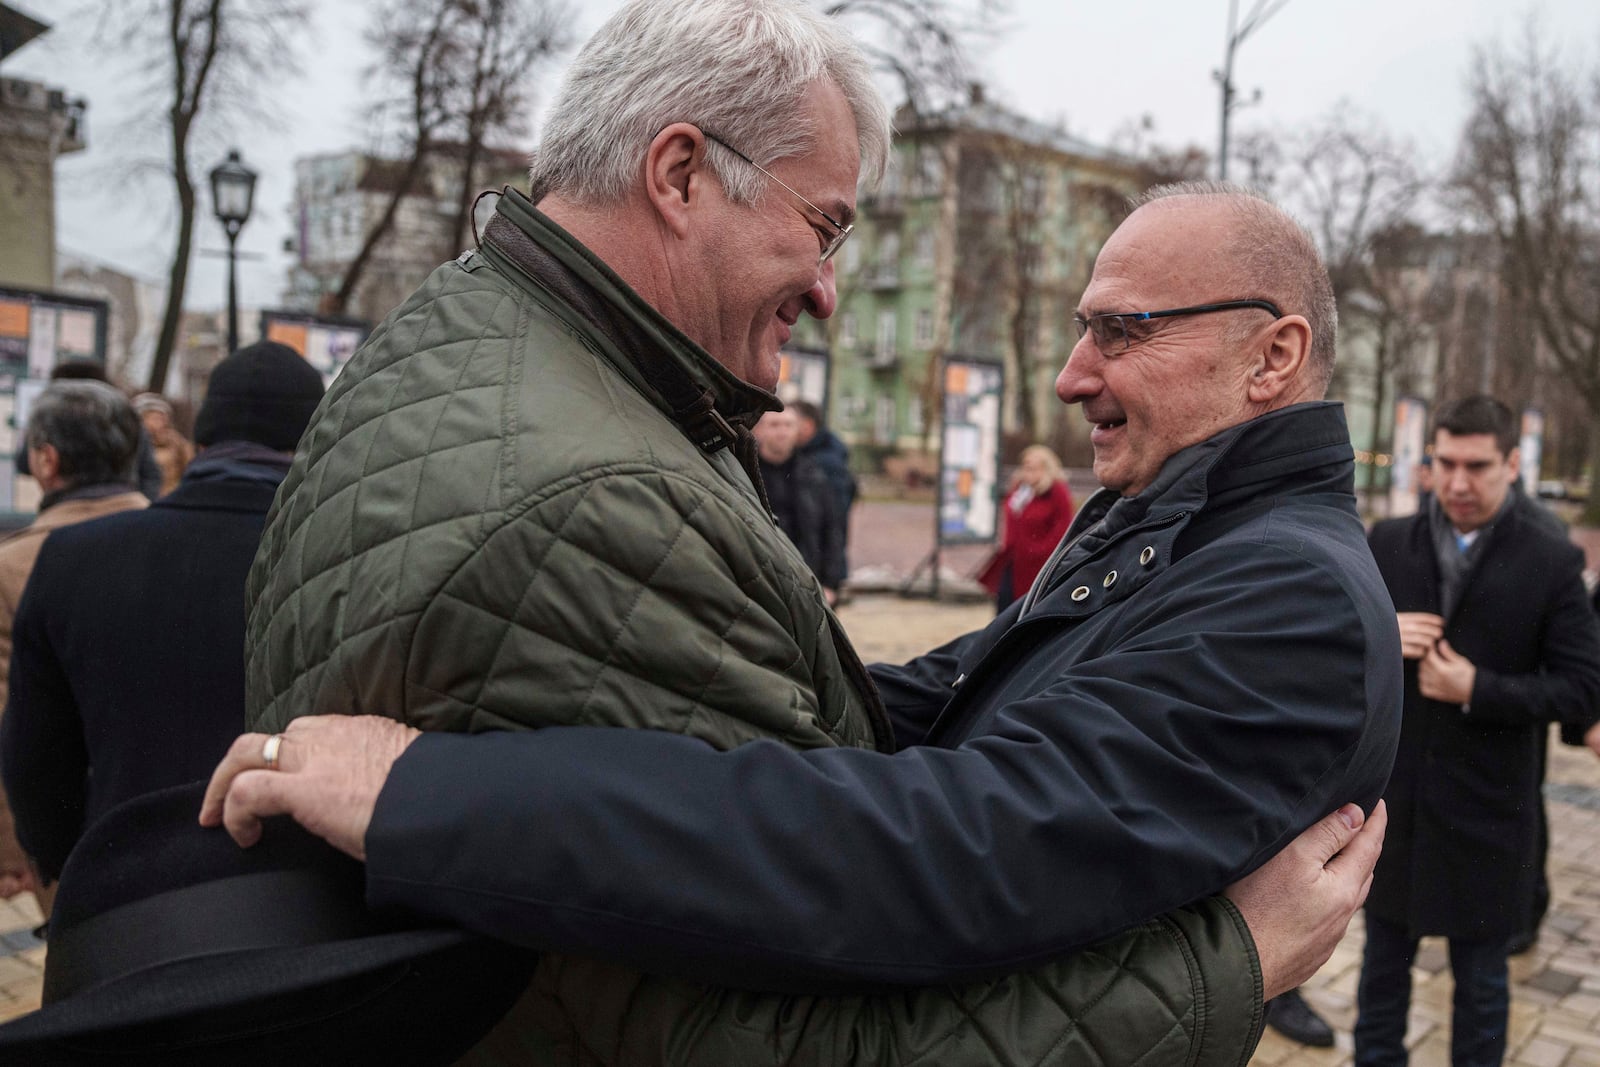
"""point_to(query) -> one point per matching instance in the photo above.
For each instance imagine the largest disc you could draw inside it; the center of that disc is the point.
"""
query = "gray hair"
(736, 68)
(1274, 257)
(91, 426)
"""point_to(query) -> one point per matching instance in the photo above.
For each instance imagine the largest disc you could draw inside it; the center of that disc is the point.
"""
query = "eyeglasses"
(1114, 331)
(832, 244)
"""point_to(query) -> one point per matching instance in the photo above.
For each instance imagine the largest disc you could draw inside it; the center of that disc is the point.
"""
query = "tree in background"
(1358, 189)
(209, 59)
(1527, 177)
(459, 72)
(923, 45)
(508, 40)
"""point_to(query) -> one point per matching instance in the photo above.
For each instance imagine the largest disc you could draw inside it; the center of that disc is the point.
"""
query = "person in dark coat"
(128, 667)
(1499, 640)
(832, 456)
(801, 499)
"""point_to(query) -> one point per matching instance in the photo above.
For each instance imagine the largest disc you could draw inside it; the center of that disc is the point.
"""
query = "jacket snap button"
(1111, 580)
(1081, 593)
(1147, 555)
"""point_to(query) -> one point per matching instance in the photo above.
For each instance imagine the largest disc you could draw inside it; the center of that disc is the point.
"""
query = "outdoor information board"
(803, 375)
(37, 331)
(326, 343)
(1530, 446)
(969, 452)
(1410, 445)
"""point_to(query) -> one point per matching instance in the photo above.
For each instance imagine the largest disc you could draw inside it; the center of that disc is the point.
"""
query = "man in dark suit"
(1499, 640)
(128, 667)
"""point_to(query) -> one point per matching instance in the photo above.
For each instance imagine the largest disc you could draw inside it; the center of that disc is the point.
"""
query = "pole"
(233, 292)
(1227, 90)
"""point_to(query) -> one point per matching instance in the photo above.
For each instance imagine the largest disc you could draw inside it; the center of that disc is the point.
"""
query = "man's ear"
(1282, 360)
(674, 174)
(44, 463)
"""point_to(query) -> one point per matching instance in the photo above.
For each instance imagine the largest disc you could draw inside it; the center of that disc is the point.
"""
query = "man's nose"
(1080, 378)
(822, 299)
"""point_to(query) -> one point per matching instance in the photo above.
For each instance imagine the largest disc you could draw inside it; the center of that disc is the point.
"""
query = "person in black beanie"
(162, 589)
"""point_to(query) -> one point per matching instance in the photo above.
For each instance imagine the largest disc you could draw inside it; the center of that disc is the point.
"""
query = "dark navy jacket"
(1204, 676)
(1461, 856)
(129, 658)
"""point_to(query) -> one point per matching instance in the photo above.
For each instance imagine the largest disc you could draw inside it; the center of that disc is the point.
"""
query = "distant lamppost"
(233, 187)
(1259, 13)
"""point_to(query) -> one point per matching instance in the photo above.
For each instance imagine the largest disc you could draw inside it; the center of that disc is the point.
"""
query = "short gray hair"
(91, 426)
(736, 68)
(1275, 257)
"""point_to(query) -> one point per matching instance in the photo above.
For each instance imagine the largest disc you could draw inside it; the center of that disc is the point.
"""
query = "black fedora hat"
(171, 945)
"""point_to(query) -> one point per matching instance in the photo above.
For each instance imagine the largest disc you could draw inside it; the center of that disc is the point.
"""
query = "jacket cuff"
(1218, 938)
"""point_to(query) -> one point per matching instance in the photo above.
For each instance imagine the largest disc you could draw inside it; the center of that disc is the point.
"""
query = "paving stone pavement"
(1555, 1015)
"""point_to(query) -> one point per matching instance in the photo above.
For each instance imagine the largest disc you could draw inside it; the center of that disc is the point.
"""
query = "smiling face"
(1182, 379)
(757, 263)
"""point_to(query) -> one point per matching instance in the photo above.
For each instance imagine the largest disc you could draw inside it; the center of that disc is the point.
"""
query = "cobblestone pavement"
(1555, 1017)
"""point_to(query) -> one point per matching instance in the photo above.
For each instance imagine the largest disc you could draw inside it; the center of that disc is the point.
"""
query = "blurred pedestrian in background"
(148, 471)
(129, 642)
(801, 499)
(173, 450)
(1036, 515)
(82, 441)
(832, 456)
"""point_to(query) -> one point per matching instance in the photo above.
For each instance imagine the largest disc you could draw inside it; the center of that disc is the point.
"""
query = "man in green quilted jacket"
(530, 501)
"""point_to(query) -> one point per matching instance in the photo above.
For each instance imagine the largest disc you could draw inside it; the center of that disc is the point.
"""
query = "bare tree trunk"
(187, 98)
(177, 285)
(339, 302)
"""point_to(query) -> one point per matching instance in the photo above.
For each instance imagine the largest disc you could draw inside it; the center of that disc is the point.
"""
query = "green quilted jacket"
(512, 510)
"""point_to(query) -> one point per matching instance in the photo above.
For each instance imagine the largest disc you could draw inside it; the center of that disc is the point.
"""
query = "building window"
(886, 329)
(883, 420)
(930, 170)
(925, 249)
(852, 256)
(888, 257)
(847, 329)
(924, 328)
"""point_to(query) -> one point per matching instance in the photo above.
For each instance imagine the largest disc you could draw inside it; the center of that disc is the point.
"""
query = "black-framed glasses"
(1114, 331)
(843, 231)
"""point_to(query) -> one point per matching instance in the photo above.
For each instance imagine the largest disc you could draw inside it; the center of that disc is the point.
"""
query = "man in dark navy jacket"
(1499, 641)
(128, 664)
(1208, 666)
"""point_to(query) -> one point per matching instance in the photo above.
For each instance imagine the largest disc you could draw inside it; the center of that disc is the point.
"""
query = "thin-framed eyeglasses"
(843, 231)
(1114, 331)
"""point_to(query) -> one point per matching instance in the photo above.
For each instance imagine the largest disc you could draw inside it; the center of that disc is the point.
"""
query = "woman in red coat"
(1035, 516)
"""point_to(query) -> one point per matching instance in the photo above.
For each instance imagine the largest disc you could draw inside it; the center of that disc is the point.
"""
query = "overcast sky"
(1096, 66)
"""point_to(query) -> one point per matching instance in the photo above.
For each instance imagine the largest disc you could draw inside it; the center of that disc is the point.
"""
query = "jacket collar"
(1298, 449)
(220, 494)
(78, 509)
(524, 238)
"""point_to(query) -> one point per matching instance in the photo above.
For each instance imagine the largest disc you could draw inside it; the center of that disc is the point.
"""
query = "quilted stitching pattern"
(1119, 1004)
(484, 500)
(488, 527)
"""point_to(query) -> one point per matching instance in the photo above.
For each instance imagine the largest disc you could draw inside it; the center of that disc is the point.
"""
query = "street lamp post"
(1259, 13)
(233, 188)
